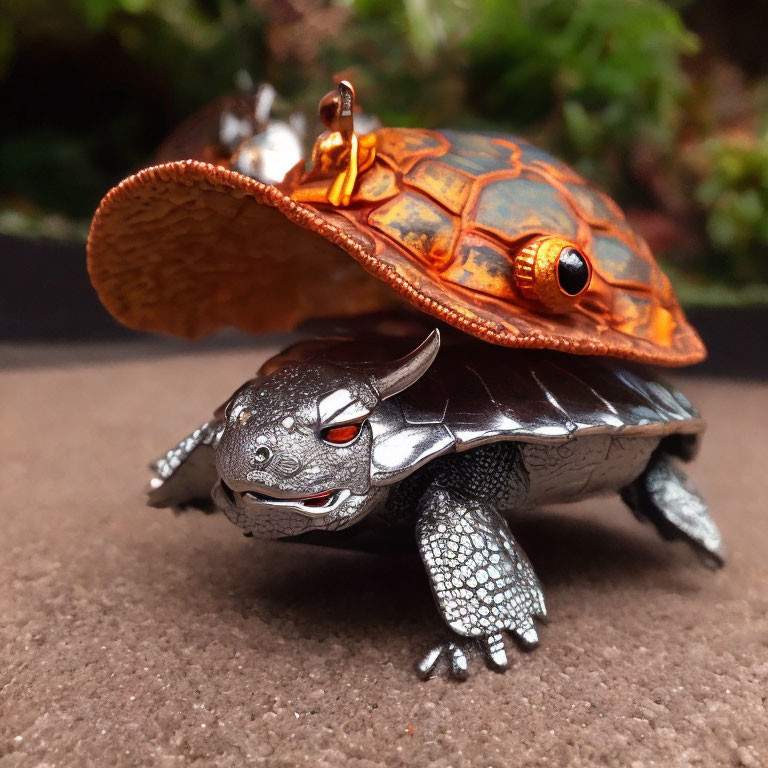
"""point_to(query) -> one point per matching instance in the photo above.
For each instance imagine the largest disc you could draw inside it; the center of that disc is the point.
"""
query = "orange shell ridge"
(188, 247)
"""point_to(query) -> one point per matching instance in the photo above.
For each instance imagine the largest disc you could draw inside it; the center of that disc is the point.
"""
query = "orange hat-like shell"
(466, 227)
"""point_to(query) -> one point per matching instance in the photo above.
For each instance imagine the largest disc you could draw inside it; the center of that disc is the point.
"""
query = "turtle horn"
(392, 378)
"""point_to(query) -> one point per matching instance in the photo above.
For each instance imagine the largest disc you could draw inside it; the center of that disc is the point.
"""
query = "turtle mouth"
(314, 505)
(324, 499)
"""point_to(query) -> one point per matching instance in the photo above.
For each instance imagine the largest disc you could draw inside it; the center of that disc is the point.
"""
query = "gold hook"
(339, 153)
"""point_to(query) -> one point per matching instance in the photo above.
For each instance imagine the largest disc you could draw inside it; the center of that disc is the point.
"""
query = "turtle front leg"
(483, 583)
(185, 475)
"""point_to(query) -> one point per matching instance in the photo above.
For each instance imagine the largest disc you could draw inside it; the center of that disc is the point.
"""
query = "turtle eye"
(552, 271)
(342, 435)
(572, 271)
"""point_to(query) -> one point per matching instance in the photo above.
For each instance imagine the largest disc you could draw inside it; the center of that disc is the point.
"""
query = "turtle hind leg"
(666, 497)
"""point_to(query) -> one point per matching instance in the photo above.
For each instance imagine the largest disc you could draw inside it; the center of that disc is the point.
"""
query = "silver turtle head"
(295, 452)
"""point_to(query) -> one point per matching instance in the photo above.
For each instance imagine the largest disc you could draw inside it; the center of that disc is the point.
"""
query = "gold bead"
(536, 273)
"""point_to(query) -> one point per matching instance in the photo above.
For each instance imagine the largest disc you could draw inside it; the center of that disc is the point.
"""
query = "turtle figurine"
(528, 377)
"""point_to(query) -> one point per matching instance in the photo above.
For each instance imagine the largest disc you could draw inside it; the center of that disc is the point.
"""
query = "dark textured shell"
(476, 395)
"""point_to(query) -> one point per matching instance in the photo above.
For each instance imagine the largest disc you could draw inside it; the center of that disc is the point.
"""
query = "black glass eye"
(572, 271)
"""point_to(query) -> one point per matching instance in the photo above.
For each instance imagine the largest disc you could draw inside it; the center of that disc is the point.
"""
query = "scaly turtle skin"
(484, 232)
(450, 443)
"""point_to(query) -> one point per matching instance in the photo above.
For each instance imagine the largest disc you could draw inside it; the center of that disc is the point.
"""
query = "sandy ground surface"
(132, 637)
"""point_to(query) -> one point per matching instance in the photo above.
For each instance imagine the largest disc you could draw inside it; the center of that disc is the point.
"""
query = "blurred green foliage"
(90, 87)
(605, 71)
(588, 74)
(735, 196)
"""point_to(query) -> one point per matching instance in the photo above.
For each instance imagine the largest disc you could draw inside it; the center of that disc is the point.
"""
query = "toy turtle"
(502, 244)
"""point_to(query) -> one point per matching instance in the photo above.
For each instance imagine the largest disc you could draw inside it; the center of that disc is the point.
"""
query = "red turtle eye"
(341, 435)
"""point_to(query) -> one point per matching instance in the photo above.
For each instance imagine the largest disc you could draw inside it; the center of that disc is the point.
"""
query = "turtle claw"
(459, 662)
(495, 652)
(428, 666)
(451, 658)
(525, 634)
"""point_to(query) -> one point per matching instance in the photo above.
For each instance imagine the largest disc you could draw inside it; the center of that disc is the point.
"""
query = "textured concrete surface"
(132, 637)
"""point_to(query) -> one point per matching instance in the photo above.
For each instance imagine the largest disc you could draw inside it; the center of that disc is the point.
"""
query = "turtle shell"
(473, 396)
(440, 216)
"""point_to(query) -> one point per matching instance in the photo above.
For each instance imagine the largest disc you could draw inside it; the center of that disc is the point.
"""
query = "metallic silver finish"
(186, 473)
(459, 662)
(482, 581)
(665, 496)
(474, 397)
(340, 407)
(261, 148)
(269, 155)
(428, 665)
(286, 413)
(390, 380)
(275, 519)
(475, 394)
(449, 438)
(249, 115)
(583, 466)
(265, 99)
(400, 448)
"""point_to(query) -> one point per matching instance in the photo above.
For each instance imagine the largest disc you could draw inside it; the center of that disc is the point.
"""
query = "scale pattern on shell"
(449, 212)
